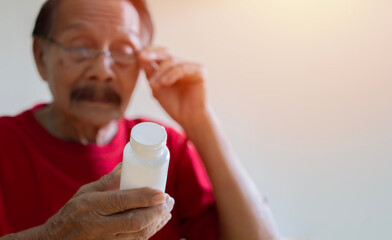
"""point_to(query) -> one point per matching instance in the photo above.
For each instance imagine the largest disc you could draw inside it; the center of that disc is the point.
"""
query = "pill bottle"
(145, 158)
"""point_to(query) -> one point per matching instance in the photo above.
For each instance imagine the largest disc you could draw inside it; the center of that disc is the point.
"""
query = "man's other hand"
(100, 211)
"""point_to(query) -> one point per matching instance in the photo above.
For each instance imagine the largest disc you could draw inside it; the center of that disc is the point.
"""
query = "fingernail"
(169, 201)
(158, 198)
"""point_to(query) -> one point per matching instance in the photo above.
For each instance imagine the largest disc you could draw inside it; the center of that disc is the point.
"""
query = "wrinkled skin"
(98, 211)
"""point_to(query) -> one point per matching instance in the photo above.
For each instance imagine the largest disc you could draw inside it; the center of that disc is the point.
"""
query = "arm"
(179, 88)
(242, 210)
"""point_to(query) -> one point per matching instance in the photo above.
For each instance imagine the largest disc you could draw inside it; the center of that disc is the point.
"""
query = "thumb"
(110, 181)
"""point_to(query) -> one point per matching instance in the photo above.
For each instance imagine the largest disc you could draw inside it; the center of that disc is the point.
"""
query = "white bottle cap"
(148, 136)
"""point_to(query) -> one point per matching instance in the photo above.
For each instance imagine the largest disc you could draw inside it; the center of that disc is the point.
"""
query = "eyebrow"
(81, 26)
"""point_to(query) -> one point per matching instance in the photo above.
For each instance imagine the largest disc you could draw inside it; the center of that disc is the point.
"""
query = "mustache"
(98, 94)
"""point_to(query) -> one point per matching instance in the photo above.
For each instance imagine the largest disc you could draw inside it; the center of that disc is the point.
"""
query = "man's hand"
(177, 85)
(98, 211)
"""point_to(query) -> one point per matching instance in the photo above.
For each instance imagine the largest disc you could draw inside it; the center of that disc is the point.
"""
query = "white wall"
(303, 89)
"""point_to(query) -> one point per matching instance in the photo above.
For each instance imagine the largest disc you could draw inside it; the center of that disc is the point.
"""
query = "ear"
(38, 51)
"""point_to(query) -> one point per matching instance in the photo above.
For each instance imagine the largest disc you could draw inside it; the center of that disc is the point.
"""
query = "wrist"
(197, 121)
(46, 232)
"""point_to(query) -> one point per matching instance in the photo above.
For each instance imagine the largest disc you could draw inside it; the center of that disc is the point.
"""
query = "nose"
(101, 68)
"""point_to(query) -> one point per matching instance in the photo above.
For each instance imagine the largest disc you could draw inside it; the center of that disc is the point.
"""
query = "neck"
(72, 130)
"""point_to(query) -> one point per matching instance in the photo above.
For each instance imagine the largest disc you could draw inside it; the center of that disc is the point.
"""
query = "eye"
(126, 49)
(81, 53)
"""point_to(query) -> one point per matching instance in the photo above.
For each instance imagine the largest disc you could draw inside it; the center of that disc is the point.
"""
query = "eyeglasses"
(79, 54)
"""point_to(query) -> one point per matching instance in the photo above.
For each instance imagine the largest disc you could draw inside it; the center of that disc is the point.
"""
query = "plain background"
(302, 88)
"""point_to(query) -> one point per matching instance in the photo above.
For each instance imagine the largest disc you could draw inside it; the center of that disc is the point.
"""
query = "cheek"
(60, 62)
(62, 77)
(65, 69)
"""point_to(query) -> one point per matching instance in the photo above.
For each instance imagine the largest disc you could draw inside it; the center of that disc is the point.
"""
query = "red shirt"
(40, 173)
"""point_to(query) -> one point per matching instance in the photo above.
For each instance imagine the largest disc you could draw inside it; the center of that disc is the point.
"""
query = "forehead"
(105, 16)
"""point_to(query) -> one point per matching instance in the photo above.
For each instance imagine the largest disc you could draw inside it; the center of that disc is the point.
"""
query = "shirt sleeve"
(198, 212)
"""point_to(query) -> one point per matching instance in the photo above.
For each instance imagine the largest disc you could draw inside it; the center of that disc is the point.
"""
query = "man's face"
(95, 90)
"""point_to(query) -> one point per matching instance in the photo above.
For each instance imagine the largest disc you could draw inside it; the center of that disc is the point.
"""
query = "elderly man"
(90, 53)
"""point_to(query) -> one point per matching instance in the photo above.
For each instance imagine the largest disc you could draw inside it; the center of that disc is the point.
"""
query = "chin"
(97, 114)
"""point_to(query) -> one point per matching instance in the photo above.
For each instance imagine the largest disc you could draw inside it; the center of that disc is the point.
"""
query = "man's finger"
(158, 226)
(113, 202)
(151, 59)
(147, 232)
(162, 70)
(141, 220)
(155, 54)
(191, 72)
